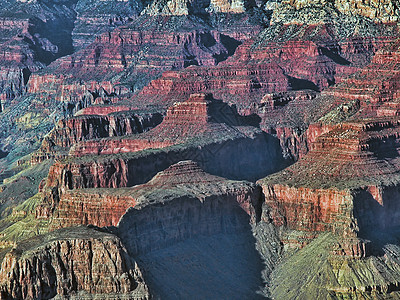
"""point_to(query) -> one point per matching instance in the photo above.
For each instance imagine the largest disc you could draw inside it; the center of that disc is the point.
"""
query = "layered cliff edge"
(318, 87)
(77, 262)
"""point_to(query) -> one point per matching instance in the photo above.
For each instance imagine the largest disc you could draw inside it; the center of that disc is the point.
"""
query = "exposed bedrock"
(88, 127)
(347, 184)
(120, 62)
(281, 58)
(375, 87)
(39, 34)
(76, 262)
(196, 248)
(244, 158)
(280, 72)
(338, 277)
(201, 129)
(181, 219)
(382, 11)
(193, 235)
(105, 207)
(95, 17)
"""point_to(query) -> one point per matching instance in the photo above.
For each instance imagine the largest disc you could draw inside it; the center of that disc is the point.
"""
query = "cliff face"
(128, 57)
(29, 42)
(96, 17)
(105, 207)
(159, 108)
(184, 212)
(197, 7)
(282, 71)
(191, 130)
(343, 185)
(204, 220)
(74, 262)
(98, 124)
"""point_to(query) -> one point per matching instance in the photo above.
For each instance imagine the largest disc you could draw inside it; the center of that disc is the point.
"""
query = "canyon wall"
(74, 262)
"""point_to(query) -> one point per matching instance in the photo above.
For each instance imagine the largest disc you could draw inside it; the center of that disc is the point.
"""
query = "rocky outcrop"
(125, 59)
(198, 7)
(96, 17)
(374, 87)
(191, 130)
(88, 127)
(281, 71)
(281, 58)
(29, 42)
(346, 184)
(77, 262)
(337, 276)
(183, 212)
(105, 207)
(383, 11)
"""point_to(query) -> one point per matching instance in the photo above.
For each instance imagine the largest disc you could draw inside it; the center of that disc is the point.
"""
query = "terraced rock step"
(347, 184)
(219, 148)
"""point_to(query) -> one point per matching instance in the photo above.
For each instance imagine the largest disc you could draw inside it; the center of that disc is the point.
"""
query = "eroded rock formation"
(77, 262)
(191, 130)
(346, 184)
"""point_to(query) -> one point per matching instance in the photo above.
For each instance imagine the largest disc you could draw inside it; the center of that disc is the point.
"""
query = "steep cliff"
(378, 11)
(122, 61)
(105, 207)
(193, 233)
(346, 184)
(102, 122)
(78, 262)
(195, 129)
(30, 40)
(184, 212)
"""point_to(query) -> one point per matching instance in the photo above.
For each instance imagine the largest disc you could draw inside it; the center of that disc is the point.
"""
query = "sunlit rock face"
(378, 11)
(199, 149)
(348, 180)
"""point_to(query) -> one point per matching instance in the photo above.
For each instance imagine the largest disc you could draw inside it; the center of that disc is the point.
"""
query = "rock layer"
(191, 130)
(73, 262)
(346, 183)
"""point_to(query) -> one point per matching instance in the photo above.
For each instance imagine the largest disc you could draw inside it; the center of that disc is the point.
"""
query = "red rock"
(194, 129)
(348, 171)
(125, 59)
(183, 121)
(109, 121)
(69, 262)
(105, 207)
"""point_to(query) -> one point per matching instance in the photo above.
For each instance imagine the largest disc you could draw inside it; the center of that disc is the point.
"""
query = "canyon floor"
(199, 149)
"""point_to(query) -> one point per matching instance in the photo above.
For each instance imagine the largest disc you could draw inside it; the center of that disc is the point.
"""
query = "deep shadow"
(3, 154)
(301, 84)
(56, 29)
(379, 224)
(194, 250)
(229, 43)
(221, 112)
(385, 148)
(334, 56)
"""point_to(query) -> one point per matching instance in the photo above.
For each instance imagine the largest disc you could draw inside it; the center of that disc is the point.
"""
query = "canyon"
(192, 149)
